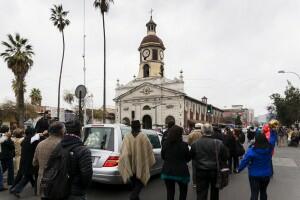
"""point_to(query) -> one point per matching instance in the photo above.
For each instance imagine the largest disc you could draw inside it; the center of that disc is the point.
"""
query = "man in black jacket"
(7, 155)
(203, 153)
(43, 123)
(81, 169)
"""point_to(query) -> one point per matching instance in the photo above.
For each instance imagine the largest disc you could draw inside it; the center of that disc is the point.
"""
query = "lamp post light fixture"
(284, 72)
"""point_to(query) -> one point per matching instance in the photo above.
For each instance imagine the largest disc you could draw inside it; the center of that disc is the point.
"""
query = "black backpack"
(56, 181)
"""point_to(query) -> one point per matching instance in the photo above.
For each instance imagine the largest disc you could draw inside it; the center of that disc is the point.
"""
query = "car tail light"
(112, 161)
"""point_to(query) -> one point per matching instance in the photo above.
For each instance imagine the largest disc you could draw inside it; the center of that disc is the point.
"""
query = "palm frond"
(103, 5)
(12, 40)
(58, 17)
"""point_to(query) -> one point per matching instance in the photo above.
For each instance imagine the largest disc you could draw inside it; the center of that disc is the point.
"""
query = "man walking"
(7, 155)
(45, 148)
(136, 159)
(3, 138)
(81, 168)
(194, 136)
(203, 153)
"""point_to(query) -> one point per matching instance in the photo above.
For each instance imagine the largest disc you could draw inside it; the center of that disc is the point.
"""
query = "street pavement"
(284, 185)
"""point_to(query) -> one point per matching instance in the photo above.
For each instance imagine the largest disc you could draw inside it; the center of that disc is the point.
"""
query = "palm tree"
(36, 97)
(103, 5)
(18, 56)
(14, 86)
(58, 17)
(69, 97)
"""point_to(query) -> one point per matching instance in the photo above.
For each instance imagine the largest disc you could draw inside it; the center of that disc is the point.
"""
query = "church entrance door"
(147, 122)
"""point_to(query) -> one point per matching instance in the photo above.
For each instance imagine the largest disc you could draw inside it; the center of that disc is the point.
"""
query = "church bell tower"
(151, 53)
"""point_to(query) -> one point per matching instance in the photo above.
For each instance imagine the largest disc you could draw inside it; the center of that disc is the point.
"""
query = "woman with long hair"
(175, 154)
(259, 161)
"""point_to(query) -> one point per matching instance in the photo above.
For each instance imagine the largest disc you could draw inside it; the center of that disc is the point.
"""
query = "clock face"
(161, 53)
(146, 53)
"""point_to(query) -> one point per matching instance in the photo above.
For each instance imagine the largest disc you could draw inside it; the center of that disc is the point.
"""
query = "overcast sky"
(230, 51)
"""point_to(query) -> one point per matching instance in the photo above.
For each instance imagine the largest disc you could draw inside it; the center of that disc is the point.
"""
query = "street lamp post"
(156, 112)
(284, 72)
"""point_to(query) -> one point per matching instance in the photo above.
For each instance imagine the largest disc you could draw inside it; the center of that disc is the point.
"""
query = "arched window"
(146, 71)
(146, 108)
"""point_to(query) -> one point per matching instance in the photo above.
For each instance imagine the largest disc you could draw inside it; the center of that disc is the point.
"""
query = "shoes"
(16, 194)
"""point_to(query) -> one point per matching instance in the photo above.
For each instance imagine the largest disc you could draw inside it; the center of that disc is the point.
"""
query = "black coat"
(7, 150)
(230, 142)
(175, 156)
(42, 125)
(81, 169)
(203, 153)
(27, 154)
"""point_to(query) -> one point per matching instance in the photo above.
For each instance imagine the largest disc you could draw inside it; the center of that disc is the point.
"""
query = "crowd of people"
(53, 159)
(38, 156)
(214, 154)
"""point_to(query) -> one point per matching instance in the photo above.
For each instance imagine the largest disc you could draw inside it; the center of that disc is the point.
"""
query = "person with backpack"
(71, 162)
(45, 148)
(136, 159)
(259, 161)
(26, 170)
(176, 155)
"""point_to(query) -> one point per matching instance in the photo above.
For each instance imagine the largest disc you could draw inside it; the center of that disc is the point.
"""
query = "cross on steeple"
(151, 12)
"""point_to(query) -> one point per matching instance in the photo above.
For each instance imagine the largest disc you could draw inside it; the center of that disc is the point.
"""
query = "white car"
(105, 141)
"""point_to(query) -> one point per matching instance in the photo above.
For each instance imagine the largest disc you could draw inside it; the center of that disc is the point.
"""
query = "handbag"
(222, 172)
(240, 151)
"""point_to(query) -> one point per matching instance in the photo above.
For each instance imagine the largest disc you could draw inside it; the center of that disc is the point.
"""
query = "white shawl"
(136, 157)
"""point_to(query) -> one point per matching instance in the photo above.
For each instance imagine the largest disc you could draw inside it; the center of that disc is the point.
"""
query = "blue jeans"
(1, 177)
(8, 164)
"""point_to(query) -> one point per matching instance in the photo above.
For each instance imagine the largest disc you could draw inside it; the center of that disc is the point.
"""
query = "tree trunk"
(20, 101)
(59, 82)
(104, 71)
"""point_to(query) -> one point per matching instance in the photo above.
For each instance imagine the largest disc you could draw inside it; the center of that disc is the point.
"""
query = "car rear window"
(99, 138)
(152, 136)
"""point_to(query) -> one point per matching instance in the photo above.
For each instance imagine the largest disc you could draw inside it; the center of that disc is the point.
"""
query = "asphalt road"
(284, 185)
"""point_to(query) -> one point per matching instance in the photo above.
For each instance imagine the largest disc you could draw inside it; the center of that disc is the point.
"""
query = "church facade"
(154, 99)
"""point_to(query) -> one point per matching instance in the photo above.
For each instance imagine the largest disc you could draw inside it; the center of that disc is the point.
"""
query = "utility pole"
(83, 56)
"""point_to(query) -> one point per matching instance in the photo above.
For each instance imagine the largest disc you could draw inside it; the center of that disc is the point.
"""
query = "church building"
(154, 99)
